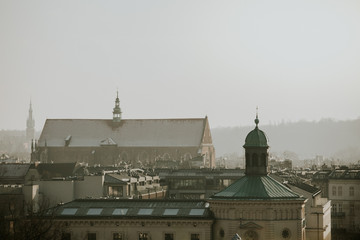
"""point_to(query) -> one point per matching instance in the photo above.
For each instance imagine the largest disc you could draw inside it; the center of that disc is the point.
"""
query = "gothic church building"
(141, 142)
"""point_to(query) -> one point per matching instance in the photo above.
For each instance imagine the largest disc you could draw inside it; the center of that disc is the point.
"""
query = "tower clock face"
(250, 235)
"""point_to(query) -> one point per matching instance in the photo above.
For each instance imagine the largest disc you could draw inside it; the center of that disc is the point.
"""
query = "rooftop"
(128, 132)
(124, 208)
(257, 188)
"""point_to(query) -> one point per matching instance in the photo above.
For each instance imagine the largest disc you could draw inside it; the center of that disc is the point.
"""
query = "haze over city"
(180, 59)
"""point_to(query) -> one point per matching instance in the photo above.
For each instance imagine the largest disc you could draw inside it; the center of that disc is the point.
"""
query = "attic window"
(67, 140)
(145, 211)
(69, 211)
(94, 211)
(197, 212)
(169, 212)
(120, 211)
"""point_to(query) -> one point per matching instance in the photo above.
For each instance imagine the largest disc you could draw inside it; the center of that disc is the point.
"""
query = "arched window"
(263, 159)
(254, 159)
(247, 159)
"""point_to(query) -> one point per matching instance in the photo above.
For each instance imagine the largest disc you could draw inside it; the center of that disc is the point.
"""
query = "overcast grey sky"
(180, 59)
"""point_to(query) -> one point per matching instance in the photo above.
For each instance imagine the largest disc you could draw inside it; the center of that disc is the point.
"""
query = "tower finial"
(257, 116)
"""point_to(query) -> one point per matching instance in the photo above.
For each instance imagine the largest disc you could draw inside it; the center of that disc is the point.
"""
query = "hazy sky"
(180, 59)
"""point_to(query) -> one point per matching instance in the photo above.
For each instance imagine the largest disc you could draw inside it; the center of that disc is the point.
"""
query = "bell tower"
(116, 109)
(256, 151)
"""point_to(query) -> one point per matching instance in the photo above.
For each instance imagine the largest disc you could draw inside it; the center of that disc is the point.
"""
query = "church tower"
(256, 152)
(117, 110)
(30, 125)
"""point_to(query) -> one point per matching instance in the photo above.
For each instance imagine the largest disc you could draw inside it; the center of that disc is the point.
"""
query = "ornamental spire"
(257, 118)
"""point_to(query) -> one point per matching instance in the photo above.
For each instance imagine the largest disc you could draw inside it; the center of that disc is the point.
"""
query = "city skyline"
(296, 61)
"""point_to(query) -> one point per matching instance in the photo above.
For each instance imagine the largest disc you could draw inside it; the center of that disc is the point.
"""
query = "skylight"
(94, 211)
(120, 211)
(168, 212)
(69, 211)
(197, 212)
(145, 211)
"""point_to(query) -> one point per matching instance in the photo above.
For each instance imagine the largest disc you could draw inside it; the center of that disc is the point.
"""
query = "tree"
(28, 221)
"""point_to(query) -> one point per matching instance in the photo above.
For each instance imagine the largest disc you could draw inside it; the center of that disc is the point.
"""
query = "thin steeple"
(116, 109)
(30, 124)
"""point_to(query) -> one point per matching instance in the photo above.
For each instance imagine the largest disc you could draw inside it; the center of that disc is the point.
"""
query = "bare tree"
(31, 223)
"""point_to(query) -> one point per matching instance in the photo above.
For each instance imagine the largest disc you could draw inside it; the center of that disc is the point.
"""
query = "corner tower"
(30, 125)
(256, 151)
(116, 109)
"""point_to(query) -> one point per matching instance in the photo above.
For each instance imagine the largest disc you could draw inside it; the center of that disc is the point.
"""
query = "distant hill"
(336, 139)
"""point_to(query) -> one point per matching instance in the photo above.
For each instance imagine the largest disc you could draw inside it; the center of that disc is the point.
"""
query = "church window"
(351, 191)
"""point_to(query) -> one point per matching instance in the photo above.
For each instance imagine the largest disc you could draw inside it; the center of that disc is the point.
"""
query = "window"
(340, 209)
(334, 191)
(115, 191)
(94, 211)
(195, 236)
(170, 212)
(196, 212)
(120, 211)
(69, 211)
(91, 236)
(351, 191)
(169, 236)
(340, 191)
(333, 209)
(352, 208)
(117, 236)
(144, 236)
(145, 211)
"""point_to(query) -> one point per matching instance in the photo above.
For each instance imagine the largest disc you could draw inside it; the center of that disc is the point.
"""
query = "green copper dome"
(256, 138)
(256, 187)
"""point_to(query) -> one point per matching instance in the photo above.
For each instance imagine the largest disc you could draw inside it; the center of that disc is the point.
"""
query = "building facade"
(257, 206)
